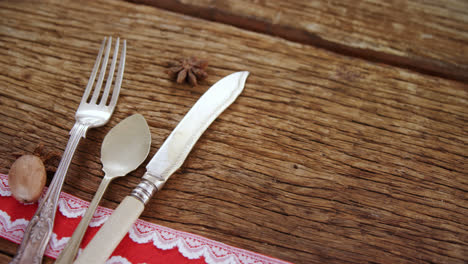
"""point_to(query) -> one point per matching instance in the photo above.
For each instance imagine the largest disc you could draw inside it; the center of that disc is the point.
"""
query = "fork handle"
(39, 230)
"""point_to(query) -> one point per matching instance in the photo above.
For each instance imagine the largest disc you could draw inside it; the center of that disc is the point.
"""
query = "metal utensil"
(124, 148)
(164, 163)
(91, 113)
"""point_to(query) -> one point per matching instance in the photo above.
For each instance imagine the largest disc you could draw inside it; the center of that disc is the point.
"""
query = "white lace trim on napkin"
(118, 260)
(189, 245)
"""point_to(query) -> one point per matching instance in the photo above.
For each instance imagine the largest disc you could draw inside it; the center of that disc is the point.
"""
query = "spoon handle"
(71, 249)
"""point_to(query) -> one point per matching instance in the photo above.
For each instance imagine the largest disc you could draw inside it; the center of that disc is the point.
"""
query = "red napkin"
(144, 243)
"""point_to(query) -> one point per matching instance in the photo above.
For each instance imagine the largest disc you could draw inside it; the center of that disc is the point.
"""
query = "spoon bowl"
(126, 146)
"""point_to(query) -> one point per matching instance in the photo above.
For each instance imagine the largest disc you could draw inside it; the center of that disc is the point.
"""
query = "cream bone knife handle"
(112, 232)
(117, 226)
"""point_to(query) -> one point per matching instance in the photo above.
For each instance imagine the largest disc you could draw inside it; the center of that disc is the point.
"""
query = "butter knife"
(164, 163)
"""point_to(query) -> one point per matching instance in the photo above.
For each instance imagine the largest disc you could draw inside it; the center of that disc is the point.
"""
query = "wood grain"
(324, 158)
(426, 36)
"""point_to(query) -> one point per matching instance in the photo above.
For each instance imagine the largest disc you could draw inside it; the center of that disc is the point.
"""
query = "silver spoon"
(124, 148)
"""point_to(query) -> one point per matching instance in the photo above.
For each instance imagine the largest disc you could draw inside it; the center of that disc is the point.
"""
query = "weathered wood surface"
(427, 36)
(323, 158)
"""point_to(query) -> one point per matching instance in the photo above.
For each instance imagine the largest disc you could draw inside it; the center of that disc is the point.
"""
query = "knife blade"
(164, 163)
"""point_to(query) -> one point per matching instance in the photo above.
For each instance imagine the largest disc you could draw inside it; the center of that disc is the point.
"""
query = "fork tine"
(111, 73)
(92, 78)
(118, 80)
(97, 89)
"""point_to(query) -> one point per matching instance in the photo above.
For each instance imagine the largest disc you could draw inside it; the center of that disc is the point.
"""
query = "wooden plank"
(8, 250)
(323, 158)
(427, 36)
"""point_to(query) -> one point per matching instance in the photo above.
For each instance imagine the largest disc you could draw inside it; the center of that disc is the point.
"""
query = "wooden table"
(348, 144)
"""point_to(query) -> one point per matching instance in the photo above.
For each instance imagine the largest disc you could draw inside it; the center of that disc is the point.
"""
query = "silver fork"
(91, 113)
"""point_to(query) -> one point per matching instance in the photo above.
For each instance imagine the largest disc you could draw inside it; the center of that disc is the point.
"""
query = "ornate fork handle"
(39, 230)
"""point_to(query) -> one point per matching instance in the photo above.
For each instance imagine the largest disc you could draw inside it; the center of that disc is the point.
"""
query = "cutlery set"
(123, 150)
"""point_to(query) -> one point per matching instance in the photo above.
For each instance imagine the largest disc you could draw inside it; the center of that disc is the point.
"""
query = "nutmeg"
(27, 178)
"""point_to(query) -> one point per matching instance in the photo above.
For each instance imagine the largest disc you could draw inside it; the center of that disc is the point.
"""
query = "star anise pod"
(189, 69)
